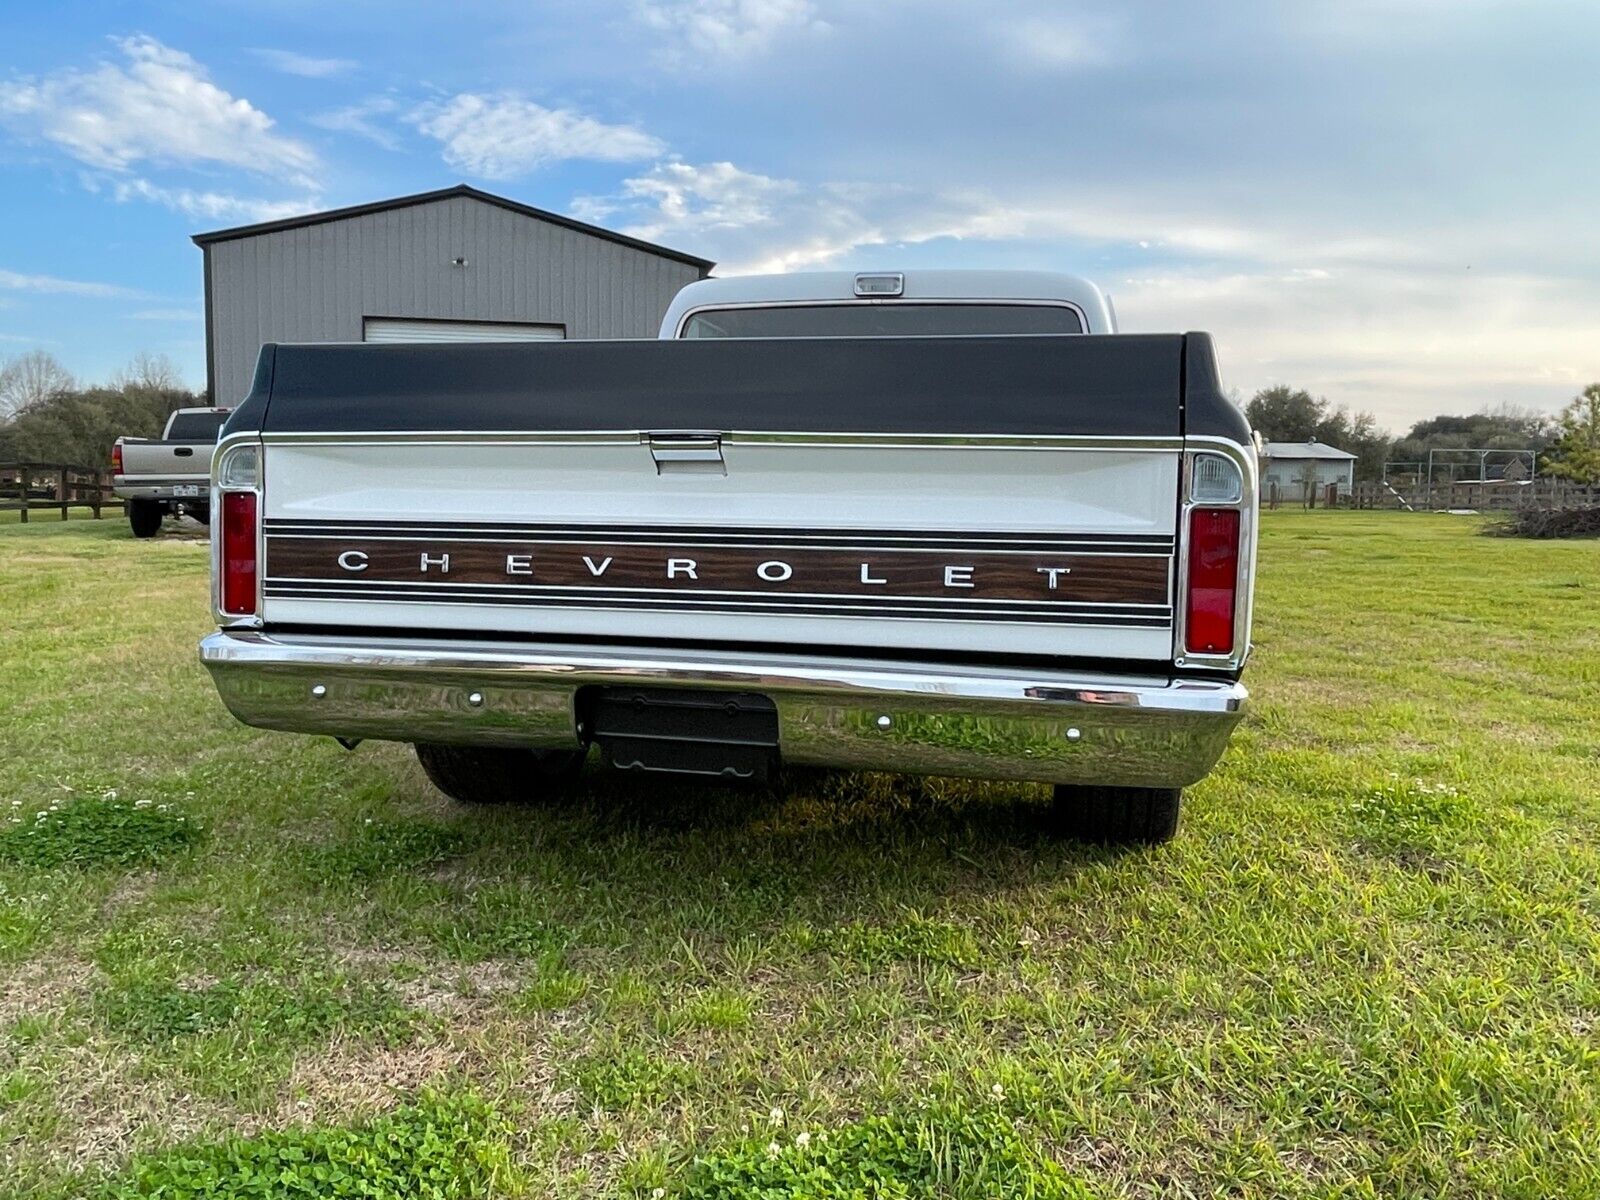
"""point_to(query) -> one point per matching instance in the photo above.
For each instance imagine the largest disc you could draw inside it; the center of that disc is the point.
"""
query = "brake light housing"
(116, 458)
(1216, 552)
(236, 533)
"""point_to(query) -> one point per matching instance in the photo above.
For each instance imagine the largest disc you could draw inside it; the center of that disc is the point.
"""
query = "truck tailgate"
(966, 495)
(176, 461)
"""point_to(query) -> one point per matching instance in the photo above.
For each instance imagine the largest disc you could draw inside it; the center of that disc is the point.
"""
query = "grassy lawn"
(1369, 965)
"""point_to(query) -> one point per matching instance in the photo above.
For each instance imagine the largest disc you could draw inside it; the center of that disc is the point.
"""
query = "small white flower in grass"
(657, 1193)
(773, 1149)
(802, 1139)
(145, 803)
(998, 1092)
(775, 1117)
(109, 794)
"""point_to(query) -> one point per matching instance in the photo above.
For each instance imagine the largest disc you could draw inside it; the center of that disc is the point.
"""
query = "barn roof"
(461, 189)
(1305, 450)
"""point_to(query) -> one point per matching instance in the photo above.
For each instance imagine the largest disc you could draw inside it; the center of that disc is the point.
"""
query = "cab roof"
(840, 287)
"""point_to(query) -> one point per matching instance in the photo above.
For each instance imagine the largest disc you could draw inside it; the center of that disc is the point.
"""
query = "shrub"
(378, 851)
(300, 1011)
(1409, 815)
(443, 1146)
(1533, 522)
(946, 1151)
(92, 831)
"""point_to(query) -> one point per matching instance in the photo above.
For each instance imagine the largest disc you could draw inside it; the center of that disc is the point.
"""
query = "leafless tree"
(148, 373)
(29, 379)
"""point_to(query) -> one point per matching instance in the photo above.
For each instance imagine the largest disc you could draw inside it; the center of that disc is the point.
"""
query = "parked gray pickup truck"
(966, 530)
(171, 474)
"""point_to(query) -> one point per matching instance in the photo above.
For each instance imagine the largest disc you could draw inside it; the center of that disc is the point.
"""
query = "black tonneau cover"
(1122, 385)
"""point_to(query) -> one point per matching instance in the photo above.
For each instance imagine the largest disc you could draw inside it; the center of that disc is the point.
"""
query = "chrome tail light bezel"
(237, 467)
(1200, 490)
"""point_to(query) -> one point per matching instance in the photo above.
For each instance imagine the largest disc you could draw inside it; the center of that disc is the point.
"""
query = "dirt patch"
(40, 988)
(109, 1107)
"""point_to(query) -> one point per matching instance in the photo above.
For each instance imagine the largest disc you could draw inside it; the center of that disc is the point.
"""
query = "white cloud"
(752, 222)
(157, 106)
(1073, 39)
(504, 135)
(304, 65)
(725, 28)
(362, 120)
(1402, 341)
(165, 314)
(52, 286)
(1386, 323)
(207, 205)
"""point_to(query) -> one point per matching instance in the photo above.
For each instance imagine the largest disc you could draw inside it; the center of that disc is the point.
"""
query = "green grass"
(1368, 966)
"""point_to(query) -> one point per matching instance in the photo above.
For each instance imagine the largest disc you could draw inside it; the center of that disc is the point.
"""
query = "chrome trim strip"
(356, 583)
(627, 437)
(998, 722)
(696, 543)
(1043, 542)
(820, 611)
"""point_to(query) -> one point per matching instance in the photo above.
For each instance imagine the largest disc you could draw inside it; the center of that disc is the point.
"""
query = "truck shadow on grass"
(629, 862)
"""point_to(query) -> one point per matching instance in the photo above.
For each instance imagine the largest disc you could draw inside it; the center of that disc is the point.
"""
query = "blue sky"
(1391, 203)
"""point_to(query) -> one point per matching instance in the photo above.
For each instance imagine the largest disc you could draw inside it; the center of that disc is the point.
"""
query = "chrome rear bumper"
(920, 718)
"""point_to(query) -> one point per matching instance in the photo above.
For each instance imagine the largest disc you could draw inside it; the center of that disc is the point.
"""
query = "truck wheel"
(144, 517)
(481, 775)
(1117, 816)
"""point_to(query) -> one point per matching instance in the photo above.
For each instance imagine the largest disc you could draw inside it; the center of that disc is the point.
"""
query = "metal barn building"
(451, 265)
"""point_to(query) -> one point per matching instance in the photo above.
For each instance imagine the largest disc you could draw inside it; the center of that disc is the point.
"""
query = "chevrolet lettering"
(959, 527)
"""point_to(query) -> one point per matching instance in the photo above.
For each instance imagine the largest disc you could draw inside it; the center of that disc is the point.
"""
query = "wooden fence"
(1479, 497)
(51, 487)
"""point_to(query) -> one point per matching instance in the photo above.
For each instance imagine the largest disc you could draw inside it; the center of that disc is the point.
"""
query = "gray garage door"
(411, 329)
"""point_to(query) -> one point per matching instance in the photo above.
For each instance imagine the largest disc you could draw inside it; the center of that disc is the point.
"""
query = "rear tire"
(1117, 816)
(144, 517)
(483, 775)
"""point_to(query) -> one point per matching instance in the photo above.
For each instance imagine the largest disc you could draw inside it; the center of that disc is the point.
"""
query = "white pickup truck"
(934, 522)
(170, 474)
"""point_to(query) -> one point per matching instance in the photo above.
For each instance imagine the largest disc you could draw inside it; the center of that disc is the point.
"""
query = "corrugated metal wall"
(317, 282)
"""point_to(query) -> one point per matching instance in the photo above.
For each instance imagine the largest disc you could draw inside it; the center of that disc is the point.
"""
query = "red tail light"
(116, 458)
(1213, 580)
(238, 564)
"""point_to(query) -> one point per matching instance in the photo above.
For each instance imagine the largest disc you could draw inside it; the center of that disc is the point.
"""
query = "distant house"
(1296, 467)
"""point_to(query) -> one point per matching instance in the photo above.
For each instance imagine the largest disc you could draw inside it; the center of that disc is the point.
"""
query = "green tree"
(1576, 451)
(76, 426)
(1285, 414)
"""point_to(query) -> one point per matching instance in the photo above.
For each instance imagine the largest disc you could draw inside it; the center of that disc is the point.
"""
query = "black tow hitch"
(726, 735)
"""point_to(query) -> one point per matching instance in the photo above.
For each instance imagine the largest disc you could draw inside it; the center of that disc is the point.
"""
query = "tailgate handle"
(687, 453)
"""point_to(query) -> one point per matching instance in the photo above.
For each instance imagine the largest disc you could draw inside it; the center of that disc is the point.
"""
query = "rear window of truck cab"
(896, 319)
(196, 427)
